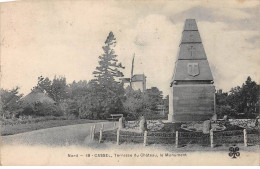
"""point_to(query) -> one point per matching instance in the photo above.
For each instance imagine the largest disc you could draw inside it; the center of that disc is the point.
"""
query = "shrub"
(41, 109)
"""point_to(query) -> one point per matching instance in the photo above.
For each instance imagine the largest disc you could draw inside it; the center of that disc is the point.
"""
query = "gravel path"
(64, 135)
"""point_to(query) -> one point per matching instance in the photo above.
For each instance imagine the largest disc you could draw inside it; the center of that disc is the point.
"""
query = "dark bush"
(41, 109)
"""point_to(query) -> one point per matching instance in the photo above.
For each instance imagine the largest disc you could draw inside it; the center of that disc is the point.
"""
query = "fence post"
(100, 135)
(114, 125)
(117, 136)
(245, 138)
(177, 139)
(91, 129)
(93, 133)
(145, 138)
(102, 126)
(211, 138)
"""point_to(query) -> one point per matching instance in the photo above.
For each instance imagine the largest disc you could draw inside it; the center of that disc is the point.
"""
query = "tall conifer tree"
(108, 68)
(105, 92)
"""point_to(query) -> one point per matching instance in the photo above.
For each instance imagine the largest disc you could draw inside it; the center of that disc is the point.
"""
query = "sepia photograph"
(130, 83)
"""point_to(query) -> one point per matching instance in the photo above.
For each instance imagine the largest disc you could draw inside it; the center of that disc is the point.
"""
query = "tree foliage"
(166, 103)
(10, 102)
(152, 98)
(56, 88)
(139, 104)
(105, 93)
(108, 68)
(77, 90)
(76, 93)
(133, 103)
(241, 101)
(41, 109)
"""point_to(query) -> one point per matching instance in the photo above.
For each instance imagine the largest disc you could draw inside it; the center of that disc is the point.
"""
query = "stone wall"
(152, 125)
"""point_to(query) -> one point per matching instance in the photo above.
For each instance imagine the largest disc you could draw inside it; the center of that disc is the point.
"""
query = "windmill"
(136, 81)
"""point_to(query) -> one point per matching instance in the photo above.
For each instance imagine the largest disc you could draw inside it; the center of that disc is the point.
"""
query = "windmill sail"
(132, 70)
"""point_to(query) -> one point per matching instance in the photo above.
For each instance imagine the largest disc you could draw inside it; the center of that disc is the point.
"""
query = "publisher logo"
(234, 152)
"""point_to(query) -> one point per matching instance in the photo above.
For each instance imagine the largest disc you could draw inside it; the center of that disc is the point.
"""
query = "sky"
(65, 38)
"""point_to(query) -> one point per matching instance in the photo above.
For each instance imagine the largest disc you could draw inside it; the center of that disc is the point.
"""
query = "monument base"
(192, 102)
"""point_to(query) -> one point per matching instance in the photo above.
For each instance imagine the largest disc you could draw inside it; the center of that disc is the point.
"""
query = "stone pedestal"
(193, 102)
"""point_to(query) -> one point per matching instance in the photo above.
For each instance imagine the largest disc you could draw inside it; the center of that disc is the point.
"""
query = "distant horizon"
(51, 38)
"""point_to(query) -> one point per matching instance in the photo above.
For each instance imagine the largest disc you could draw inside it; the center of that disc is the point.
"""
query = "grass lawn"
(21, 128)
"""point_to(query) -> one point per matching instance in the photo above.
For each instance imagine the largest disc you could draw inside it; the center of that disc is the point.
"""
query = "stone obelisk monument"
(193, 92)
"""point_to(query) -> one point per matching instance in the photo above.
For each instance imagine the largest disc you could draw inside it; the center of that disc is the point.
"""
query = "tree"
(91, 107)
(10, 102)
(56, 89)
(166, 103)
(43, 85)
(234, 99)
(77, 90)
(97, 104)
(108, 68)
(223, 110)
(152, 98)
(222, 105)
(133, 103)
(105, 92)
(250, 94)
(137, 103)
(243, 100)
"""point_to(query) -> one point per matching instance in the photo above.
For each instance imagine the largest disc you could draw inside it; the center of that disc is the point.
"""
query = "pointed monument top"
(190, 25)
(192, 65)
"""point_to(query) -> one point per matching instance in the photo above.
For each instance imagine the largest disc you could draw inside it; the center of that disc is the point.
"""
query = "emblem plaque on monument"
(193, 69)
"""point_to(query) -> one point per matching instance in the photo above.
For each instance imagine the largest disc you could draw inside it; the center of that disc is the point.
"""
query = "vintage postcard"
(134, 82)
